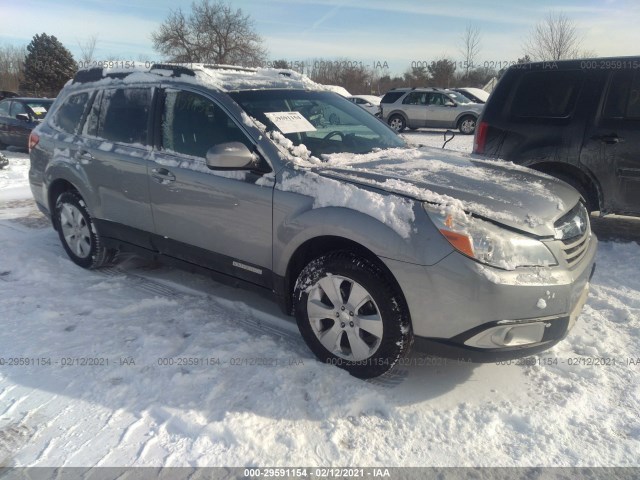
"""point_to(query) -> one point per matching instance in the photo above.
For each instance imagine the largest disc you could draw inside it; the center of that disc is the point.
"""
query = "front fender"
(296, 221)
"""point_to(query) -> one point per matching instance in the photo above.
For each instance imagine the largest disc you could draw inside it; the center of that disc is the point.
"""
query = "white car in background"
(476, 95)
(370, 103)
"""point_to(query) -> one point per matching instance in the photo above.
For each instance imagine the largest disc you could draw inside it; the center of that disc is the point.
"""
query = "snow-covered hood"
(515, 196)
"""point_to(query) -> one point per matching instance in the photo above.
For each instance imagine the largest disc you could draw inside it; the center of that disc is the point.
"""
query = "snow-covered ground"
(145, 365)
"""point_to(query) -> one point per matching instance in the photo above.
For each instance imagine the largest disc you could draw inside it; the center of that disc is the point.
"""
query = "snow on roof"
(220, 77)
(337, 89)
(369, 98)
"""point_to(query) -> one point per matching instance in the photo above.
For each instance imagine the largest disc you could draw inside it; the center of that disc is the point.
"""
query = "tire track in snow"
(253, 321)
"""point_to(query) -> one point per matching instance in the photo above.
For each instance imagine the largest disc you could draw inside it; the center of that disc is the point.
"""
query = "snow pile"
(489, 189)
(394, 211)
(218, 77)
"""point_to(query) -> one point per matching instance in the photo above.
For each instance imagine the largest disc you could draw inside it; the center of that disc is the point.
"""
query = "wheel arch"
(61, 176)
(559, 170)
(400, 113)
(322, 245)
(466, 114)
(57, 188)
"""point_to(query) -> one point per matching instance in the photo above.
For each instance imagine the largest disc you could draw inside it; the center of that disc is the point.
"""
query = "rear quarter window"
(547, 94)
(69, 114)
(391, 97)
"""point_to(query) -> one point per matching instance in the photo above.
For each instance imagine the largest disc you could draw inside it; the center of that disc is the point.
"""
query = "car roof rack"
(98, 73)
(176, 70)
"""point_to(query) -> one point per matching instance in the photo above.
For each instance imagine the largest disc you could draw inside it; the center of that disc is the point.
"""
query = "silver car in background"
(374, 246)
(429, 107)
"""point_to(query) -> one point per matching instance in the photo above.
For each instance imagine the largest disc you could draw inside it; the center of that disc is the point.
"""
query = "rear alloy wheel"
(350, 316)
(77, 232)
(397, 123)
(467, 125)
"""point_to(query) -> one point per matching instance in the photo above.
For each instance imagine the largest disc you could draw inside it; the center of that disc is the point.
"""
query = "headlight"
(488, 243)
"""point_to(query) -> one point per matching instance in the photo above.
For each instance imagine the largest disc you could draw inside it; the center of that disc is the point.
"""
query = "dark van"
(578, 120)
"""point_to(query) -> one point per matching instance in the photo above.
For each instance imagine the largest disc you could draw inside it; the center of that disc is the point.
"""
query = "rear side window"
(415, 98)
(623, 98)
(391, 97)
(124, 115)
(68, 116)
(548, 94)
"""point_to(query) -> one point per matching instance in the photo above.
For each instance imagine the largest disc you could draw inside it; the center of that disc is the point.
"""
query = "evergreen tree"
(47, 66)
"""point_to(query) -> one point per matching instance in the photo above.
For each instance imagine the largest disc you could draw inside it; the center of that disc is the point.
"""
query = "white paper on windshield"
(39, 110)
(290, 122)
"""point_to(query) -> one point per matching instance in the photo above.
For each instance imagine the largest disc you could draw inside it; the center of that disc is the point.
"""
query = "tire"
(77, 232)
(331, 323)
(467, 125)
(397, 123)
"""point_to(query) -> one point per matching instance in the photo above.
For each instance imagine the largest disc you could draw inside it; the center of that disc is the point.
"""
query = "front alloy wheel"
(350, 316)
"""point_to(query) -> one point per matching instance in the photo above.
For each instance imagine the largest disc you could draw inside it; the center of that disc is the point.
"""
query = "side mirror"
(24, 117)
(449, 103)
(230, 156)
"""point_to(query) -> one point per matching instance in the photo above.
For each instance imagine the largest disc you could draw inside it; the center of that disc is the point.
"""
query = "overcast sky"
(368, 31)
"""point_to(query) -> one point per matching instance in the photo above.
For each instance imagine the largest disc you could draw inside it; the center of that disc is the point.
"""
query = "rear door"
(414, 106)
(5, 106)
(218, 219)
(616, 139)
(115, 154)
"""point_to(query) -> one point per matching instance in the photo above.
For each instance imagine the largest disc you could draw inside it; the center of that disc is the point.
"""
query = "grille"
(574, 230)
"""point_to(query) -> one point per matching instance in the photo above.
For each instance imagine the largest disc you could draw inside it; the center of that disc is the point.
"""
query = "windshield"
(325, 123)
(40, 109)
(459, 98)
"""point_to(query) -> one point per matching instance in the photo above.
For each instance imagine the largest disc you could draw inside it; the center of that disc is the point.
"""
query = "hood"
(509, 194)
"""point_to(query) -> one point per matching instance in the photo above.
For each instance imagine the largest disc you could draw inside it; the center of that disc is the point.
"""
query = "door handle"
(162, 175)
(85, 156)
(609, 139)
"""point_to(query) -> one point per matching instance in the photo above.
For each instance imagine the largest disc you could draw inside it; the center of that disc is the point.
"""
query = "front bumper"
(462, 309)
(528, 337)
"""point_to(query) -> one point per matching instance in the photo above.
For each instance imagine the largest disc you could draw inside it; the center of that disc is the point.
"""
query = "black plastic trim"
(456, 349)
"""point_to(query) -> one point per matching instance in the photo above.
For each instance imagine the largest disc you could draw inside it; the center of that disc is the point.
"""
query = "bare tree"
(212, 33)
(470, 47)
(12, 66)
(554, 38)
(87, 49)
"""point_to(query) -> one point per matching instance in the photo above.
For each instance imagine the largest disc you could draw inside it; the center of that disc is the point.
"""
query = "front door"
(218, 219)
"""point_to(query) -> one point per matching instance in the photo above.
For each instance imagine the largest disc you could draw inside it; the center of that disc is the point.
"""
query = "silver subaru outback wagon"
(374, 246)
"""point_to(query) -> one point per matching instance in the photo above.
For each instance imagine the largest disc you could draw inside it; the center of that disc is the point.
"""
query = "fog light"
(508, 336)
